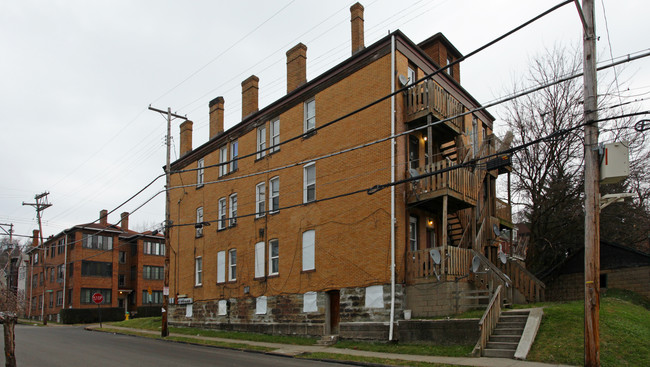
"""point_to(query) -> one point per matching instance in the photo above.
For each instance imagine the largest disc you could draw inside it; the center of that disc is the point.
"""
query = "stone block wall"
(438, 299)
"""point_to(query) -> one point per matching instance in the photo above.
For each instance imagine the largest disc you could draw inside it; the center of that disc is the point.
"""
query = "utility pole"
(40, 205)
(592, 189)
(10, 232)
(164, 330)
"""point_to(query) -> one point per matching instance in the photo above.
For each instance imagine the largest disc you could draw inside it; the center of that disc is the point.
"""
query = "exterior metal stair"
(505, 339)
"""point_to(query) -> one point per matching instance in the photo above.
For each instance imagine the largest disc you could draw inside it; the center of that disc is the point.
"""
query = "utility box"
(615, 163)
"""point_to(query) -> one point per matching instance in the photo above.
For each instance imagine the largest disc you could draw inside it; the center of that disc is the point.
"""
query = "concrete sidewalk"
(293, 350)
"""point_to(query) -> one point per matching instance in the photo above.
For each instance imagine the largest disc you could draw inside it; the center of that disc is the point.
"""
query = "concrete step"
(507, 331)
(505, 338)
(516, 312)
(328, 340)
(513, 318)
(502, 345)
(499, 353)
(511, 325)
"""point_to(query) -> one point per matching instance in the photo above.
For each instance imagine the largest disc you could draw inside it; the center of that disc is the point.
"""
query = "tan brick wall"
(571, 286)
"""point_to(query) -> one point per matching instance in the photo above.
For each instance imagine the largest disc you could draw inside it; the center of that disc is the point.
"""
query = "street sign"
(98, 298)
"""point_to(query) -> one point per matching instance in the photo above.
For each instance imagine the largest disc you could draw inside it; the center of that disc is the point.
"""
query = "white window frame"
(309, 250)
(221, 267)
(222, 214)
(310, 115)
(261, 141)
(232, 264)
(413, 234)
(233, 210)
(260, 200)
(200, 173)
(308, 184)
(223, 158)
(259, 260)
(234, 153)
(275, 135)
(198, 271)
(274, 259)
(199, 219)
(411, 76)
(274, 195)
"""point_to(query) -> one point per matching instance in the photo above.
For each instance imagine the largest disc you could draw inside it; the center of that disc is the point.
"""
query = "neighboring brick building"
(71, 266)
(276, 242)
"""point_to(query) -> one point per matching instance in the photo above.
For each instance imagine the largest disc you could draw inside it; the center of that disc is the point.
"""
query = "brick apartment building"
(121, 264)
(284, 236)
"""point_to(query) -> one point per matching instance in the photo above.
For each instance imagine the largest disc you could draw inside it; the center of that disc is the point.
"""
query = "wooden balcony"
(460, 185)
(504, 213)
(429, 98)
(420, 267)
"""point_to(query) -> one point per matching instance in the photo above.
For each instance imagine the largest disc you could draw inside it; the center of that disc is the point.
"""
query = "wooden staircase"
(506, 336)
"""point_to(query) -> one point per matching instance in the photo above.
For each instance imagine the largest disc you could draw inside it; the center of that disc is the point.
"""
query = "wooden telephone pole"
(40, 205)
(164, 330)
(592, 189)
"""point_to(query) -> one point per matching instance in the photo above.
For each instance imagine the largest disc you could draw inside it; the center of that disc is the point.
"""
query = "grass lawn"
(624, 332)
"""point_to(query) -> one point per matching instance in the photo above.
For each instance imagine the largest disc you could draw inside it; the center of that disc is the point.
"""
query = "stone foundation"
(438, 299)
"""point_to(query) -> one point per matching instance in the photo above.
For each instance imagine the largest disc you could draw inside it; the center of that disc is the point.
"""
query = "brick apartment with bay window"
(264, 237)
(125, 266)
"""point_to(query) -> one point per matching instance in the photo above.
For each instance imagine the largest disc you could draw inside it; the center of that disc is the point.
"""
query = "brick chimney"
(296, 67)
(249, 95)
(103, 217)
(356, 18)
(35, 237)
(125, 221)
(216, 116)
(186, 137)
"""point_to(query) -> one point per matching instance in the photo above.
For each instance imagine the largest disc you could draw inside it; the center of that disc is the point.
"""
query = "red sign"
(98, 298)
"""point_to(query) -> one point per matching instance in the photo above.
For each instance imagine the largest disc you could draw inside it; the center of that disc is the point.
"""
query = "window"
(260, 305)
(309, 188)
(310, 115)
(87, 295)
(450, 70)
(259, 259)
(134, 249)
(221, 266)
(275, 135)
(97, 242)
(223, 158)
(40, 302)
(222, 214)
(60, 269)
(260, 200)
(198, 271)
(61, 247)
(411, 75)
(413, 234)
(134, 272)
(232, 266)
(274, 195)
(261, 141)
(36, 258)
(234, 153)
(310, 302)
(59, 298)
(40, 278)
(233, 210)
(274, 257)
(153, 272)
(222, 307)
(96, 269)
(308, 250)
(34, 281)
(155, 298)
(121, 280)
(154, 248)
(200, 172)
(51, 275)
(51, 300)
(199, 220)
(122, 257)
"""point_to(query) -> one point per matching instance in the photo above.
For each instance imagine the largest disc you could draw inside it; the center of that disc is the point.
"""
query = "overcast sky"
(76, 78)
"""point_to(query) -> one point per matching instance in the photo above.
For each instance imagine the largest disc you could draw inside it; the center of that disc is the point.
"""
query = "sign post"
(98, 298)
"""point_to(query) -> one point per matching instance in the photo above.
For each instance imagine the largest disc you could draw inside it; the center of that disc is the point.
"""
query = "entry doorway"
(334, 312)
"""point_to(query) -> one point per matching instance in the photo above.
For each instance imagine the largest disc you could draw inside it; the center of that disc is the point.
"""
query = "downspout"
(392, 188)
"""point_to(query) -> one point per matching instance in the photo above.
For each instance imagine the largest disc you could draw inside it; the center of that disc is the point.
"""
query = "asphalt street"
(74, 346)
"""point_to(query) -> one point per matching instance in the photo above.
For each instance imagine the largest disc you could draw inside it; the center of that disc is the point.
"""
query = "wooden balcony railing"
(523, 280)
(429, 97)
(503, 211)
(460, 181)
(420, 265)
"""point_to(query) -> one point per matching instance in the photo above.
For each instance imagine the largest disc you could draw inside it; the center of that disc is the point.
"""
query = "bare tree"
(12, 303)
(548, 177)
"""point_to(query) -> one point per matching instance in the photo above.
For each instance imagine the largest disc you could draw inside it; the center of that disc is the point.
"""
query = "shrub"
(89, 315)
(149, 311)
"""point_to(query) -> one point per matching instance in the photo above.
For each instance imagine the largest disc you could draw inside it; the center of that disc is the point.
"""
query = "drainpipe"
(392, 189)
(65, 266)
